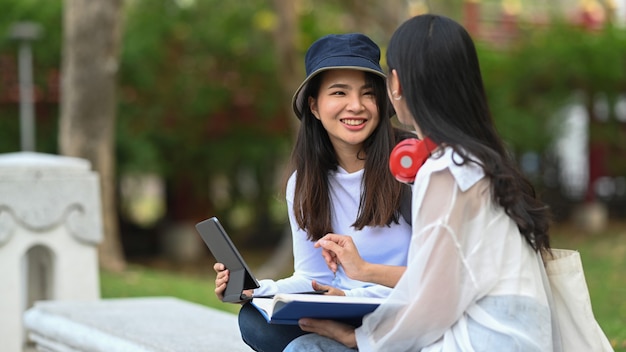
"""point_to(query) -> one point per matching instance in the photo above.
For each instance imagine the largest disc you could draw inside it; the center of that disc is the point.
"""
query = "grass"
(144, 281)
(603, 255)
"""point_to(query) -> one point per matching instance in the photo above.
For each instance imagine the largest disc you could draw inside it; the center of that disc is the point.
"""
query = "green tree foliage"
(46, 62)
(196, 87)
(199, 102)
(530, 81)
(199, 98)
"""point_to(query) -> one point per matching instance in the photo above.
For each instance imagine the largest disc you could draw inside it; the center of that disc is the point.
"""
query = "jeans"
(317, 343)
(261, 336)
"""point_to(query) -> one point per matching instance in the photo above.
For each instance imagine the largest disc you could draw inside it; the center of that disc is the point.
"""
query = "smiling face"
(346, 107)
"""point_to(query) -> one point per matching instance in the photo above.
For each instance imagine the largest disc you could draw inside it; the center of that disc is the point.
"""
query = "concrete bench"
(154, 324)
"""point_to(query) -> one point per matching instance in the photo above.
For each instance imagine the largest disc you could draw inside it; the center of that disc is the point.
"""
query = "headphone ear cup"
(407, 158)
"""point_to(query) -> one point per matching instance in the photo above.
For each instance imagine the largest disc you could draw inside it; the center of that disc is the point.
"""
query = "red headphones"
(408, 156)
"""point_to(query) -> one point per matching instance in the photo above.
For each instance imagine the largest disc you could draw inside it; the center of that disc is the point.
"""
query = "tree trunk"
(91, 41)
(285, 36)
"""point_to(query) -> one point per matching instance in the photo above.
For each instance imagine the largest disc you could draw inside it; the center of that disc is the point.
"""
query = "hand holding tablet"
(225, 252)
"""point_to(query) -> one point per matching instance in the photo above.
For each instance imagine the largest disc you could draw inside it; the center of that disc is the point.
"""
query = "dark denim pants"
(262, 336)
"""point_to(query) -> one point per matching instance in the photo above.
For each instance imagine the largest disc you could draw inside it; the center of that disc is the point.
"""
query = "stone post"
(50, 226)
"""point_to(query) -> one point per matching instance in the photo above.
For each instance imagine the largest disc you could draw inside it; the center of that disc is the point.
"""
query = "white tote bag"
(574, 326)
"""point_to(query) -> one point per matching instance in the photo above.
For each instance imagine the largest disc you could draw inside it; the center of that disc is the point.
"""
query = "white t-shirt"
(382, 244)
(472, 282)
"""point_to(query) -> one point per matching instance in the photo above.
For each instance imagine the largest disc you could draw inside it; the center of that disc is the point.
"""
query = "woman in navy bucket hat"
(338, 181)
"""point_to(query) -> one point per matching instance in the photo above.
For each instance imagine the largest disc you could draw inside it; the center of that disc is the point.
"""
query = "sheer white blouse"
(472, 283)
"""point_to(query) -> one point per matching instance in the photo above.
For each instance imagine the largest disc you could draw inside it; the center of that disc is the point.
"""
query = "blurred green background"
(203, 124)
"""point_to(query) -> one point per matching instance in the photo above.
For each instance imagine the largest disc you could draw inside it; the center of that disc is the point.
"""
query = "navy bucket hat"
(338, 51)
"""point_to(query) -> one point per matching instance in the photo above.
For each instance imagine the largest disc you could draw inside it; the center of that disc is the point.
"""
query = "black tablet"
(225, 252)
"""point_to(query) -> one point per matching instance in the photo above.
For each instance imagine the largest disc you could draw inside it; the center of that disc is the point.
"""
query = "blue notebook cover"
(289, 308)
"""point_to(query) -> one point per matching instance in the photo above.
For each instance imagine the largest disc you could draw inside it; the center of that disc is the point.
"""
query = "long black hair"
(440, 76)
(313, 157)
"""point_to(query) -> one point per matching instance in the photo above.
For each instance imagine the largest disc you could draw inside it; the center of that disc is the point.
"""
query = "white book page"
(266, 304)
(289, 297)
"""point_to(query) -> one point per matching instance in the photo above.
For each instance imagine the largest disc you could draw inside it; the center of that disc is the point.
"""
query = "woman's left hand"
(333, 291)
(340, 332)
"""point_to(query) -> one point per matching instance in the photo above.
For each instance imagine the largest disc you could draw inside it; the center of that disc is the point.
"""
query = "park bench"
(147, 324)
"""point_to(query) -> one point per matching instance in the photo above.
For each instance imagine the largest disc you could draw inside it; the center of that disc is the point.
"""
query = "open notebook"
(286, 308)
